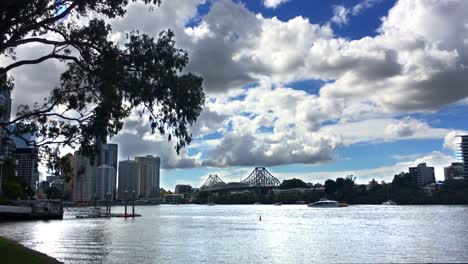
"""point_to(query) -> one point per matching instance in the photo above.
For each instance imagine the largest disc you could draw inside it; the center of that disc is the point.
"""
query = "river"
(234, 234)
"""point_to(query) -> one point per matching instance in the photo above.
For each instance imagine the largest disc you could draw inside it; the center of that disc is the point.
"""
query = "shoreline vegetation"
(401, 190)
(14, 252)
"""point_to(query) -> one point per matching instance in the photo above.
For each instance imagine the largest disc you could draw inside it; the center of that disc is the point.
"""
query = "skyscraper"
(83, 178)
(422, 175)
(128, 178)
(7, 146)
(27, 160)
(453, 171)
(108, 155)
(148, 176)
(68, 177)
(464, 153)
(103, 182)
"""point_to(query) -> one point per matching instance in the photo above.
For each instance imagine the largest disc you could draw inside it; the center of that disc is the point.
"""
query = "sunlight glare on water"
(234, 234)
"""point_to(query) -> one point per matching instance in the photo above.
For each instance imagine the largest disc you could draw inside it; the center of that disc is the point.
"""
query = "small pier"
(107, 214)
(41, 209)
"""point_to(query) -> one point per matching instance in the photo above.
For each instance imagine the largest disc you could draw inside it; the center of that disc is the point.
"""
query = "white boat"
(389, 202)
(278, 204)
(325, 203)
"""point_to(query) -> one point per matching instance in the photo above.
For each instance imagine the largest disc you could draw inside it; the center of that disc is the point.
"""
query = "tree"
(293, 183)
(104, 81)
(330, 187)
(53, 193)
(339, 183)
(163, 192)
(12, 186)
(348, 188)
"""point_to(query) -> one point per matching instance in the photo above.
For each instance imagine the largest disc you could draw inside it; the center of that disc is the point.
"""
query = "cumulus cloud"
(341, 13)
(377, 130)
(248, 150)
(273, 3)
(406, 127)
(135, 140)
(435, 159)
(452, 139)
(416, 62)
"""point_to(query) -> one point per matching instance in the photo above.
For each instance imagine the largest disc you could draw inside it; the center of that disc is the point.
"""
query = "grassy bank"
(13, 252)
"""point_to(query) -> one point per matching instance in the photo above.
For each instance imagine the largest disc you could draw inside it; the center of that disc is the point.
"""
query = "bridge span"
(259, 178)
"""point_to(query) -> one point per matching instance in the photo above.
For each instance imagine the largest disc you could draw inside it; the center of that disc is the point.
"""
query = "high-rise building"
(453, 171)
(422, 175)
(7, 146)
(108, 155)
(148, 176)
(26, 165)
(128, 178)
(68, 177)
(103, 182)
(83, 178)
(183, 188)
(464, 153)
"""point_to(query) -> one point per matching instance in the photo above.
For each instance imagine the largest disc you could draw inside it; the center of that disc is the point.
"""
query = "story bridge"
(259, 178)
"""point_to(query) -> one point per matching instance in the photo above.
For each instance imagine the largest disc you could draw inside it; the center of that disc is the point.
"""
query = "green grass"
(12, 252)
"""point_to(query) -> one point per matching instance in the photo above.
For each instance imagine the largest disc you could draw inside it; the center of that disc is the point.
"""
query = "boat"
(324, 203)
(389, 202)
(210, 204)
(257, 203)
(278, 204)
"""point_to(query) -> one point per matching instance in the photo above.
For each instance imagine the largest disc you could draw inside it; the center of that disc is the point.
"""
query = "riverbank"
(13, 252)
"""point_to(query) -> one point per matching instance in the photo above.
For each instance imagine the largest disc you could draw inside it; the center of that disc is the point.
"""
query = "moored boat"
(324, 203)
(389, 202)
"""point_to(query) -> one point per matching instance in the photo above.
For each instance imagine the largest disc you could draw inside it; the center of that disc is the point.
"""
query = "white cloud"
(364, 4)
(436, 159)
(452, 140)
(417, 62)
(341, 13)
(384, 129)
(273, 3)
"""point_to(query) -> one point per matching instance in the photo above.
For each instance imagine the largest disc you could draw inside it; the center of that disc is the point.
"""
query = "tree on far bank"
(104, 82)
(53, 193)
(14, 187)
(293, 183)
(330, 187)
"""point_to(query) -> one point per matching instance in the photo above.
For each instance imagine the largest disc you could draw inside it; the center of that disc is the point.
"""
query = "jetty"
(107, 216)
(41, 209)
(98, 213)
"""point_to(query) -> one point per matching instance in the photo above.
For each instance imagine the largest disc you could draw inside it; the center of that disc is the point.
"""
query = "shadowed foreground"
(12, 252)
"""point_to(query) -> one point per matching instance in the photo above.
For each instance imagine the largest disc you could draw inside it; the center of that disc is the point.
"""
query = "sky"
(309, 89)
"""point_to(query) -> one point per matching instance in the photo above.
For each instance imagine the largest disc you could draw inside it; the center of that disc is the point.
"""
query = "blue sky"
(309, 89)
(376, 157)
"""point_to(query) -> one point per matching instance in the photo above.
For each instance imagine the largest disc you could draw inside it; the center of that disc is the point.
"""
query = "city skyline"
(331, 94)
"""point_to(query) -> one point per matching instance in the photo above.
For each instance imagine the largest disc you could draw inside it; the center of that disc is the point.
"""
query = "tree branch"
(41, 59)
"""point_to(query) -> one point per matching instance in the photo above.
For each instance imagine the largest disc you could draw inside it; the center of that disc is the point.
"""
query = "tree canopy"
(293, 183)
(104, 82)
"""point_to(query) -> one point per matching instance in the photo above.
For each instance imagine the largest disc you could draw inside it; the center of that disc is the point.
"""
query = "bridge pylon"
(261, 177)
(212, 180)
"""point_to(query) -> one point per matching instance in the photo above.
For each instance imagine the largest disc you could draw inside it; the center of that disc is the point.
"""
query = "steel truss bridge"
(259, 178)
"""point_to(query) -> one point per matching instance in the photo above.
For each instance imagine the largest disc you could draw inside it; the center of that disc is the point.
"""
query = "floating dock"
(107, 216)
(32, 209)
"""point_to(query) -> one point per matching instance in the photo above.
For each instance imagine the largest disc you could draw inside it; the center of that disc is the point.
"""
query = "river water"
(234, 234)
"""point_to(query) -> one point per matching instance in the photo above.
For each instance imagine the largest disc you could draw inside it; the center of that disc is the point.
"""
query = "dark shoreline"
(22, 250)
